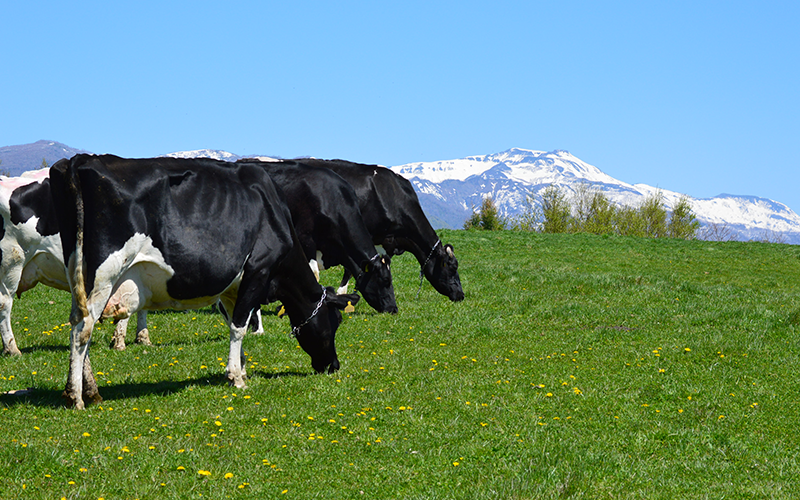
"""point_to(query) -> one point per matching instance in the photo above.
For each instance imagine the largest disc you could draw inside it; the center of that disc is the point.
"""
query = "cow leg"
(345, 282)
(256, 325)
(90, 391)
(236, 362)
(142, 333)
(118, 340)
(9, 343)
(235, 370)
(79, 366)
(314, 268)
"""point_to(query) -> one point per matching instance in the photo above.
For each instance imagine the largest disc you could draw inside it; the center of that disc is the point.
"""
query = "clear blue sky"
(695, 97)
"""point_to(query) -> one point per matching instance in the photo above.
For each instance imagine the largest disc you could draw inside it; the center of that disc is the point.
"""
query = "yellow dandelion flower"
(204, 472)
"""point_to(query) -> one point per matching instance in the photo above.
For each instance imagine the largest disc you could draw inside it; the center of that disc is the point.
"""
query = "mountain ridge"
(17, 159)
(449, 189)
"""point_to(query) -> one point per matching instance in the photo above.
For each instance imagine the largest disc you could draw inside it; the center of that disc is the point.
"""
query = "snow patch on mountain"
(214, 154)
(217, 154)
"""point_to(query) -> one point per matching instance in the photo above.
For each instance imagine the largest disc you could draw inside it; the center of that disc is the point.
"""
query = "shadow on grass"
(45, 348)
(54, 397)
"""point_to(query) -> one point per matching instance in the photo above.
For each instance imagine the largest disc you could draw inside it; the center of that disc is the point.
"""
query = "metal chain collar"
(422, 268)
(296, 329)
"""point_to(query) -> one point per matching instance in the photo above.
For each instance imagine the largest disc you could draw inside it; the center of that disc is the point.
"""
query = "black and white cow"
(395, 219)
(167, 233)
(331, 228)
(30, 248)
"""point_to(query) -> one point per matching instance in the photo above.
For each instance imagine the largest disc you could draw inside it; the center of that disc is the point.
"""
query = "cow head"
(375, 284)
(441, 270)
(316, 336)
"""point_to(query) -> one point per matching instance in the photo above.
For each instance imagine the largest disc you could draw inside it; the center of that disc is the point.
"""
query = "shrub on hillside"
(682, 221)
(488, 218)
(556, 211)
(590, 211)
(593, 212)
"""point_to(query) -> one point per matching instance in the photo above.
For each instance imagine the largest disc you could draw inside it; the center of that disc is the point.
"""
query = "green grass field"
(578, 366)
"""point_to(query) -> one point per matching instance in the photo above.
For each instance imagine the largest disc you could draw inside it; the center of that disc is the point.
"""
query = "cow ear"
(341, 301)
(449, 249)
(390, 246)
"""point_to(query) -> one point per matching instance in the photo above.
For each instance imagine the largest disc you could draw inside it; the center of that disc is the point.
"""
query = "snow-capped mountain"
(448, 190)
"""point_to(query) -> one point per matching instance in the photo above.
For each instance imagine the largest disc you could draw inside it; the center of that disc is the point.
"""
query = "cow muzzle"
(330, 367)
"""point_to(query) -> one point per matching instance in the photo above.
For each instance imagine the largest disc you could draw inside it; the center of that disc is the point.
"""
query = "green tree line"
(590, 211)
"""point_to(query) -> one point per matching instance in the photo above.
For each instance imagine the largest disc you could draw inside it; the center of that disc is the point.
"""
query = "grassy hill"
(577, 367)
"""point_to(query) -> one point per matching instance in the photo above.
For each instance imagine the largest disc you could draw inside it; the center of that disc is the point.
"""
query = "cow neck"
(422, 242)
(427, 259)
(299, 291)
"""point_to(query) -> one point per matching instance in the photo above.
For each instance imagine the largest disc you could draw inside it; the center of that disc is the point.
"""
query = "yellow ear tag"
(281, 312)
(349, 308)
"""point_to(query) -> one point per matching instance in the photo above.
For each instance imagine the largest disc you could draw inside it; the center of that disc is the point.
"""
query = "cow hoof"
(143, 337)
(117, 344)
(95, 398)
(238, 382)
(71, 402)
(12, 351)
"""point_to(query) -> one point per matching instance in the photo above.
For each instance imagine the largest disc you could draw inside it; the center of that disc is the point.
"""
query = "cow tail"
(68, 203)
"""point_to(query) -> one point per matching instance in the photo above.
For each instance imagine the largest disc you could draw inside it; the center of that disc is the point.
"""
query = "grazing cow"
(331, 229)
(168, 233)
(396, 221)
(30, 248)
